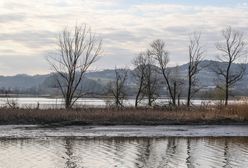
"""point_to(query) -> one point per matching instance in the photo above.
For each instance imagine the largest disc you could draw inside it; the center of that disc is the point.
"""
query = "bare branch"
(78, 50)
(232, 49)
(117, 88)
(161, 55)
(196, 55)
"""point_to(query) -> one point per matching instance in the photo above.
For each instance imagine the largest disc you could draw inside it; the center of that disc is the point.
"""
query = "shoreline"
(175, 122)
(122, 131)
(144, 123)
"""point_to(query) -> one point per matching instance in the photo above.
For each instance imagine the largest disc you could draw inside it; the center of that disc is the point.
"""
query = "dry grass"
(147, 116)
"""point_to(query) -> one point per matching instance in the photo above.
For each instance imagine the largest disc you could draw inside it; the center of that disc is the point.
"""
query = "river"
(124, 153)
(123, 146)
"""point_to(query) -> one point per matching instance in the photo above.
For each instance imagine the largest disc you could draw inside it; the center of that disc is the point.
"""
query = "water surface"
(33, 102)
(124, 152)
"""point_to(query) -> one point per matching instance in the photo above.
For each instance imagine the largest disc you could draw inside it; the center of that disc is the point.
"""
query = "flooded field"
(34, 102)
(171, 152)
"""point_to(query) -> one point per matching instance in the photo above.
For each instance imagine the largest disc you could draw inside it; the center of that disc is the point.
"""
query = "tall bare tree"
(196, 55)
(117, 87)
(140, 63)
(78, 50)
(161, 55)
(177, 82)
(232, 49)
(151, 80)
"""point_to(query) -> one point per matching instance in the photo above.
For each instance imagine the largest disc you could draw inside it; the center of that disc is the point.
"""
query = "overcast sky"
(29, 28)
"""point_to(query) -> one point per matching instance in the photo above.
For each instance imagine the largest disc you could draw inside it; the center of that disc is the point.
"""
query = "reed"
(214, 114)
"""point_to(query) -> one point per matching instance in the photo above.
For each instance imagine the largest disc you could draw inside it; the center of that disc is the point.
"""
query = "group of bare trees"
(146, 81)
(146, 78)
(161, 56)
(172, 81)
(232, 49)
(79, 49)
(117, 87)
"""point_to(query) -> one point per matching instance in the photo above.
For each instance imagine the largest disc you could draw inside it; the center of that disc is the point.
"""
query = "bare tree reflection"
(70, 163)
(144, 153)
(189, 161)
(226, 155)
(119, 147)
(169, 153)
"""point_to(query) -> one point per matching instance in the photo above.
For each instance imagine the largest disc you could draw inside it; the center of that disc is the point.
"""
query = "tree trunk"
(227, 95)
(189, 92)
(178, 100)
(67, 103)
(227, 82)
(149, 101)
(174, 95)
(138, 94)
(169, 88)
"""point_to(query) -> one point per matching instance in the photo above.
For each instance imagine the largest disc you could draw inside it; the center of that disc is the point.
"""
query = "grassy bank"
(233, 114)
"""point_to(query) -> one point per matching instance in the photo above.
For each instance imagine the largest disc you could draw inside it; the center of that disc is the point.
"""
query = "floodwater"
(170, 152)
(33, 102)
(23, 146)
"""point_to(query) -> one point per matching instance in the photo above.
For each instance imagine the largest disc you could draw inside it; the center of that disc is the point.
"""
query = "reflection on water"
(124, 153)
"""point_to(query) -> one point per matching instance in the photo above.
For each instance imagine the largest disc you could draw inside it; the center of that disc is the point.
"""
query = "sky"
(29, 29)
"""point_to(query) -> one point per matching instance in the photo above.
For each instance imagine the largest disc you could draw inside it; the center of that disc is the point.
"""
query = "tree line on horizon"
(80, 48)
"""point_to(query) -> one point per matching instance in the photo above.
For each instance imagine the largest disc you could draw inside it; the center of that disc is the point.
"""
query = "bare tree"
(117, 88)
(162, 57)
(177, 82)
(78, 50)
(140, 63)
(232, 49)
(151, 80)
(196, 54)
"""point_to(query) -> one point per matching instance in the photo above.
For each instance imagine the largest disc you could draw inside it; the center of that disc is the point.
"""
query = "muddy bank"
(35, 131)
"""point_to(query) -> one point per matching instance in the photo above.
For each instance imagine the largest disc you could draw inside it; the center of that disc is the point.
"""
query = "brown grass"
(142, 116)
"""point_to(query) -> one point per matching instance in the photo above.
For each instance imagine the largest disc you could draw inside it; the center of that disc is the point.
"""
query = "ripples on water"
(124, 153)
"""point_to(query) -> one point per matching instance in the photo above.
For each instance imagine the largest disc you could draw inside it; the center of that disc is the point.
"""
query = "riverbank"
(122, 131)
(233, 114)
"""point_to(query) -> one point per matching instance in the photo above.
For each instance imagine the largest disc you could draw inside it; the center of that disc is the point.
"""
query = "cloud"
(124, 57)
(30, 38)
(121, 36)
(5, 18)
(20, 64)
(30, 28)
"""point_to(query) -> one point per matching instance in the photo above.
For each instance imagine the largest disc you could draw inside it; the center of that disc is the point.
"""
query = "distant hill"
(96, 81)
(22, 81)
